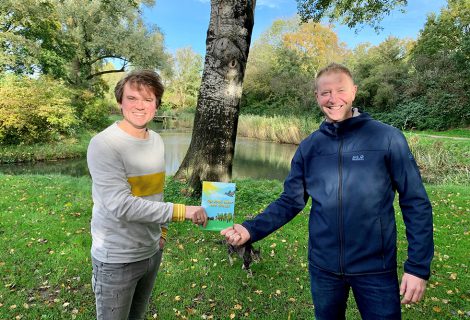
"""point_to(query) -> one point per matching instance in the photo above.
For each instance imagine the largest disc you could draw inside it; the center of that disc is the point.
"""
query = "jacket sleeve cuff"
(179, 212)
(423, 274)
(164, 232)
(252, 235)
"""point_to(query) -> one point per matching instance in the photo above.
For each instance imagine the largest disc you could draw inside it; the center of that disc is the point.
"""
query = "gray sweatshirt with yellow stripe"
(128, 175)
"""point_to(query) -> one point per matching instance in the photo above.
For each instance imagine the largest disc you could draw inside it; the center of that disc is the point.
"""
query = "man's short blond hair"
(333, 68)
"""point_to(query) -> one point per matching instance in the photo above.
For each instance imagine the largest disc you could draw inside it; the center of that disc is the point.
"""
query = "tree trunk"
(210, 154)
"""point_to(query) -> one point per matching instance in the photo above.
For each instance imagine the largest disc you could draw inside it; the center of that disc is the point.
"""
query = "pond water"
(253, 159)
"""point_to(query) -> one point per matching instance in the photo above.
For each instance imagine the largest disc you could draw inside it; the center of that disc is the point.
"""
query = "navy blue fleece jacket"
(352, 170)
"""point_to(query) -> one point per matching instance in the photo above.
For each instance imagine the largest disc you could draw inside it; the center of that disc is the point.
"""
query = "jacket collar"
(343, 128)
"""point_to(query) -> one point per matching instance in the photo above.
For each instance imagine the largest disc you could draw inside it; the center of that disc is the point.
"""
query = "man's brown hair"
(140, 78)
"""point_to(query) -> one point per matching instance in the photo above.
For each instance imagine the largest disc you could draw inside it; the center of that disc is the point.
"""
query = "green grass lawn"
(45, 266)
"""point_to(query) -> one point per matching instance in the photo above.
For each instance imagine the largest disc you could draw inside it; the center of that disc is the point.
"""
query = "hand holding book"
(196, 214)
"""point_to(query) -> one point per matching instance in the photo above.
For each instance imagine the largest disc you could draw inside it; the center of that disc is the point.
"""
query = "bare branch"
(122, 69)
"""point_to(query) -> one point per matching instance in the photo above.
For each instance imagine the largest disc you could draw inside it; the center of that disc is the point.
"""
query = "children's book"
(218, 199)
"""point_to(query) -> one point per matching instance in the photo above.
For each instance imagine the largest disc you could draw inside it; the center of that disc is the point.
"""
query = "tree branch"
(107, 57)
(107, 71)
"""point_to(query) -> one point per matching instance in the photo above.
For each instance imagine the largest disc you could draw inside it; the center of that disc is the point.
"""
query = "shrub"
(418, 114)
(411, 115)
(96, 113)
(34, 110)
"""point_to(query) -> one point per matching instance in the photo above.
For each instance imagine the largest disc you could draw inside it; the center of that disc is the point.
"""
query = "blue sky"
(184, 22)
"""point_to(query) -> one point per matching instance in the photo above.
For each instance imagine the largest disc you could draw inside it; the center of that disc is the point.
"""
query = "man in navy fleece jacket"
(351, 168)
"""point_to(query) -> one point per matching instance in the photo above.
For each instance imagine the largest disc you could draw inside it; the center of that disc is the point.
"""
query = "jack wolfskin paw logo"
(358, 158)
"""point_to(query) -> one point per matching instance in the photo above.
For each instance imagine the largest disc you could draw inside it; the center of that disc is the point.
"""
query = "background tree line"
(421, 84)
(59, 60)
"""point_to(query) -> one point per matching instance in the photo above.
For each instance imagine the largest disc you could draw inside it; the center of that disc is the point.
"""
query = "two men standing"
(351, 168)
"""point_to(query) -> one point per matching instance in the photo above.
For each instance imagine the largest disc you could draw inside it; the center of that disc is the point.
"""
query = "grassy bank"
(284, 129)
(183, 120)
(73, 147)
(454, 133)
(45, 267)
(441, 160)
(278, 129)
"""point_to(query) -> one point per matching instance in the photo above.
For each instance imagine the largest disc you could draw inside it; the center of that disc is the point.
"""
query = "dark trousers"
(377, 295)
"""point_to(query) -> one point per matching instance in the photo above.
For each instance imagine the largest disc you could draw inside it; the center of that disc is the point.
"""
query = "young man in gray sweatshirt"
(129, 220)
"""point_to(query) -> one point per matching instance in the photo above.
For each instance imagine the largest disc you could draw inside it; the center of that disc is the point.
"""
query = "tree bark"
(212, 147)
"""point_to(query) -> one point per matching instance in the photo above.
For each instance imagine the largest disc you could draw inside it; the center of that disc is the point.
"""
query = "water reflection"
(253, 159)
(176, 146)
(262, 159)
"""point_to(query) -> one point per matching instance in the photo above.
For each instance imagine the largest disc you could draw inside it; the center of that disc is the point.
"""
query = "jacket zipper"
(340, 206)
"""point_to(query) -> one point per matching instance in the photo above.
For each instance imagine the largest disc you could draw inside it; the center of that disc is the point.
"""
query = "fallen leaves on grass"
(237, 306)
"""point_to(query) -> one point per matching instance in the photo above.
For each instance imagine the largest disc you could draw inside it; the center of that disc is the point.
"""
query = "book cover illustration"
(218, 199)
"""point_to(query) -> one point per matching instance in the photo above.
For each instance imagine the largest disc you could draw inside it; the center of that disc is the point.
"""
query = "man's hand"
(236, 235)
(197, 214)
(412, 288)
(162, 243)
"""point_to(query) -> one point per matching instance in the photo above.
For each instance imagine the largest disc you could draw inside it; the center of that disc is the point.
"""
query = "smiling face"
(138, 106)
(335, 93)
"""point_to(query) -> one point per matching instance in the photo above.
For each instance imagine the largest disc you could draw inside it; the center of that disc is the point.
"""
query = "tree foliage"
(183, 81)
(112, 29)
(381, 72)
(31, 38)
(73, 39)
(283, 63)
(440, 66)
(348, 12)
(422, 84)
(34, 110)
